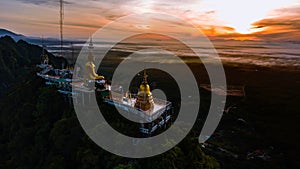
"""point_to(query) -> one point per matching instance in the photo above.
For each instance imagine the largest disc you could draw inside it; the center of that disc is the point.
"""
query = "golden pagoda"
(144, 99)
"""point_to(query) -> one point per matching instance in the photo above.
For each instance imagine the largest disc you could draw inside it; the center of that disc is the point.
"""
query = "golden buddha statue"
(46, 59)
(144, 99)
(90, 73)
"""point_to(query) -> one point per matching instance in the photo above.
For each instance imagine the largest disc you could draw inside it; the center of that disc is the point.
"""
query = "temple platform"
(127, 104)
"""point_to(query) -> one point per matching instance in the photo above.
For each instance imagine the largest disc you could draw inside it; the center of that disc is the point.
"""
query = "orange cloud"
(284, 26)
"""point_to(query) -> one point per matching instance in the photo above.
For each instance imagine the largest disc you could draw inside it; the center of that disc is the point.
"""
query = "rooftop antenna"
(43, 50)
(61, 22)
(73, 59)
(43, 46)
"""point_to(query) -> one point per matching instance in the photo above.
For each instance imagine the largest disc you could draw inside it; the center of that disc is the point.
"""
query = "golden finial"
(144, 99)
(145, 77)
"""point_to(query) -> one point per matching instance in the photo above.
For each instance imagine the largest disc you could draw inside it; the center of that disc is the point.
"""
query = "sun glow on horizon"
(240, 15)
(145, 6)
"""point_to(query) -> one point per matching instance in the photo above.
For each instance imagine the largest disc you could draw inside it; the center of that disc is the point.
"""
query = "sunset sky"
(221, 19)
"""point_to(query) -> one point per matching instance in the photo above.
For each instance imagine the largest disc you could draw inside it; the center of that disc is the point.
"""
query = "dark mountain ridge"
(19, 58)
(13, 35)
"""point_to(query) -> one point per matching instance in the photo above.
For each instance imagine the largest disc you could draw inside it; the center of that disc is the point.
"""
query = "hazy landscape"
(255, 42)
(264, 120)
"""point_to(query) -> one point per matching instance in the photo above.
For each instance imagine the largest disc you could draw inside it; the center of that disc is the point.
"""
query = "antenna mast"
(43, 46)
(73, 59)
(61, 22)
(43, 50)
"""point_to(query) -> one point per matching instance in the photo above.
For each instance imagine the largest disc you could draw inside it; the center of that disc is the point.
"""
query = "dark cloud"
(285, 25)
(286, 17)
(287, 22)
(73, 24)
(44, 2)
(295, 10)
(36, 2)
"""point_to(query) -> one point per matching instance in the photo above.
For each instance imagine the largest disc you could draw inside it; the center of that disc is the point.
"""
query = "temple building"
(152, 113)
(144, 99)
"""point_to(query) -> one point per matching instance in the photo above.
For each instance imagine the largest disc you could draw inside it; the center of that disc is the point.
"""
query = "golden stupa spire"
(144, 99)
(145, 77)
